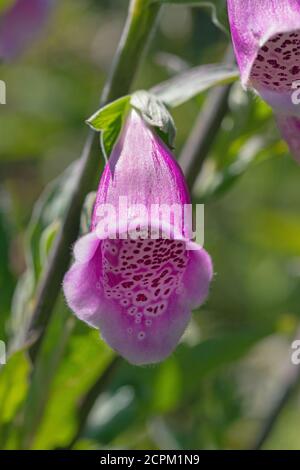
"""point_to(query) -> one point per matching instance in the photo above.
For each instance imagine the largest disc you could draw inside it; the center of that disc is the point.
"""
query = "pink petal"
(86, 247)
(266, 38)
(290, 130)
(139, 294)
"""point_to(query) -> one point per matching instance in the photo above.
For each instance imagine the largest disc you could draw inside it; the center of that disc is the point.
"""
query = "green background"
(219, 386)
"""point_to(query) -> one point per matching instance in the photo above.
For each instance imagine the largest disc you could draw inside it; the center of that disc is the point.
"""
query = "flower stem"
(141, 20)
(88, 401)
(290, 385)
(200, 141)
(204, 132)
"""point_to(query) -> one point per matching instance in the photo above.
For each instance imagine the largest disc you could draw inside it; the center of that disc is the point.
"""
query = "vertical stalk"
(290, 385)
(205, 129)
(204, 132)
(140, 23)
(142, 16)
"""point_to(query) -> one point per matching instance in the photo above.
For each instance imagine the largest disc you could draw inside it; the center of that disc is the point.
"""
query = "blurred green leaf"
(19, 311)
(285, 434)
(181, 88)
(49, 208)
(47, 239)
(13, 389)
(215, 181)
(13, 385)
(6, 276)
(167, 387)
(215, 353)
(41, 232)
(85, 358)
(111, 415)
(86, 213)
(276, 230)
(50, 355)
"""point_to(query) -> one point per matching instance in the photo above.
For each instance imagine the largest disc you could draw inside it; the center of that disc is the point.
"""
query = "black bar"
(136, 459)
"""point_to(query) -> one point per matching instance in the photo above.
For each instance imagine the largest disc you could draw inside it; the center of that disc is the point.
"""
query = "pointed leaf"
(187, 85)
(109, 120)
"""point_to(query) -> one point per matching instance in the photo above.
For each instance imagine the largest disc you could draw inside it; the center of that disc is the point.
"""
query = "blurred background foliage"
(219, 386)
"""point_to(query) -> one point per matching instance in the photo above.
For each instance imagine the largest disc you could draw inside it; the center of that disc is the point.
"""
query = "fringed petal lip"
(139, 293)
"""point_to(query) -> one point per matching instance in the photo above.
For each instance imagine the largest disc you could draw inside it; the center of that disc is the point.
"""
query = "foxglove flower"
(266, 40)
(139, 291)
(20, 24)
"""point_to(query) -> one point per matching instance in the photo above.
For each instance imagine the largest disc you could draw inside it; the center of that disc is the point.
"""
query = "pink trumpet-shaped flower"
(266, 40)
(20, 24)
(138, 291)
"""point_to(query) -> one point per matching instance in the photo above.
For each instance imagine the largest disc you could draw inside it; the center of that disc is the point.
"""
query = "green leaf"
(50, 207)
(41, 232)
(47, 239)
(165, 387)
(216, 7)
(53, 348)
(109, 120)
(155, 114)
(216, 181)
(111, 415)
(85, 359)
(13, 389)
(218, 352)
(6, 275)
(187, 85)
(110, 136)
(276, 230)
(87, 211)
(103, 118)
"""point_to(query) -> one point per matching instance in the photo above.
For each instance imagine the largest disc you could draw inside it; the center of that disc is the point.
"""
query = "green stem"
(205, 130)
(140, 23)
(88, 401)
(199, 143)
(138, 29)
(290, 385)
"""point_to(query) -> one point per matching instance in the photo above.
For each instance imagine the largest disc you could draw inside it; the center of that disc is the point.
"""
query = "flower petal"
(85, 247)
(142, 171)
(145, 342)
(82, 289)
(197, 276)
(290, 130)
